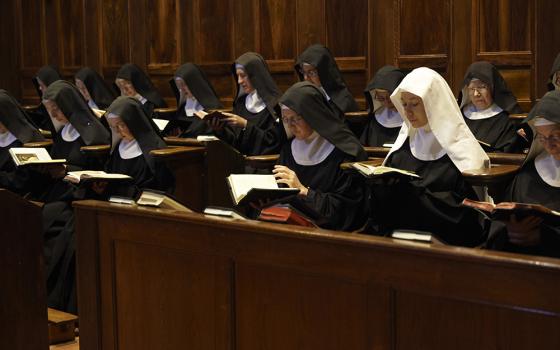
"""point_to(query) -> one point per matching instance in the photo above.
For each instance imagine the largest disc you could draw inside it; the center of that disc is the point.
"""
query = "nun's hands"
(235, 120)
(285, 175)
(216, 124)
(524, 232)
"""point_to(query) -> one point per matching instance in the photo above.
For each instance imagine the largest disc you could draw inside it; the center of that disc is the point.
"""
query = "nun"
(253, 128)
(96, 92)
(15, 130)
(317, 65)
(311, 160)
(384, 119)
(194, 93)
(45, 77)
(554, 80)
(486, 103)
(436, 144)
(537, 182)
(133, 82)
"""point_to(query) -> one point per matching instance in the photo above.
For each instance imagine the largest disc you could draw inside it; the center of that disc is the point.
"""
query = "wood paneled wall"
(517, 35)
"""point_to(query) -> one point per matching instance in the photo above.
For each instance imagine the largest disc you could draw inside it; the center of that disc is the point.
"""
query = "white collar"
(7, 139)
(91, 103)
(424, 145)
(548, 169)
(254, 103)
(129, 149)
(69, 133)
(192, 106)
(389, 118)
(325, 93)
(312, 150)
(141, 98)
(472, 113)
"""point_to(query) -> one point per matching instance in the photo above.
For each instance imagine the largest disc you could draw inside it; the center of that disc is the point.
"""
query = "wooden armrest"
(179, 141)
(30, 108)
(360, 116)
(370, 161)
(173, 153)
(490, 176)
(507, 158)
(96, 150)
(46, 133)
(262, 162)
(377, 152)
(518, 117)
(165, 113)
(39, 144)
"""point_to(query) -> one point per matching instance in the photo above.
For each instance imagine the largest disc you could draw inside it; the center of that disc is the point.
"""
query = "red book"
(285, 215)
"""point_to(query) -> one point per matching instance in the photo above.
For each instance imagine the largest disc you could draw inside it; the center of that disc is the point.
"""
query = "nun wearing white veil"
(436, 144)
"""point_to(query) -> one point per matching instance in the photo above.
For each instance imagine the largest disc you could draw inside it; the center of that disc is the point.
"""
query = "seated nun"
(97, 93)
(538, 182)
(253, 127)
(554, 80)
(45, 77)
(133, 82)
(486, 103)
(317, 65)
(436, 144)
(311, 160)
(194, 93)
(74, 126)
(384, 119)
(15, 130)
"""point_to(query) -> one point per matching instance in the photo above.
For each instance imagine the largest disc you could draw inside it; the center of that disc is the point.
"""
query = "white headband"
(540, 121)
(112, 116)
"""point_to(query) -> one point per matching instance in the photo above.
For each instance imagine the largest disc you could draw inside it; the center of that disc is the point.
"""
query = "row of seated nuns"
(433, 134)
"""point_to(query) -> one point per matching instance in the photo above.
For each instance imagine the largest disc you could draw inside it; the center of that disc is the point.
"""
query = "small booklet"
(161, 200)
(503, 210)
(95, 175)
(381, 170)
(28, 156)
(411, 235)
(207, 138)
(210, 116)
(285, 214)
(247, 188)
(224, 212)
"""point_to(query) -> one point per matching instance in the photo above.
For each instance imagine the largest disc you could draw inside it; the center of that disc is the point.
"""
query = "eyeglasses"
(555, 139)
(479, 89)
(292, 121)
(381, 98)
(312, 73)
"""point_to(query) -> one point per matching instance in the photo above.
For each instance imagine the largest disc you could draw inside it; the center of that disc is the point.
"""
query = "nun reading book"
(97, 93)
(134, 82)
(436, 144)
(384, 119)
(253, 127)
(45, 77)
(538, 182)
(310, 161)
(554, 79)
(316, 64)
(486, 103)
(16, 129)
(194, 93)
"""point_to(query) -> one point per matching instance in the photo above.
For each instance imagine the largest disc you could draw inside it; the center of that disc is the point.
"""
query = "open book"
(247, 188)
(503, 210)
(210, 116)
(94, 175)
(160, 200)
(27, 156)
(381, 170)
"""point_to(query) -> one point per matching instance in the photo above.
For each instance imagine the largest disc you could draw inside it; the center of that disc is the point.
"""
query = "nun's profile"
(311, 160)
(94, 89)
(132, 81)
(554, 79)
(435, 143)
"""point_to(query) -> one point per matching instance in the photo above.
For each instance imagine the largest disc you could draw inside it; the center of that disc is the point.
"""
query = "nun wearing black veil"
(384, 119)
(435, 143)
(194, 93)
(253, 127)
(554, 80)
(97, 93)
(311, 160)
(133, 82)
(15, 130)
(44, 78)
(537, 182)
(317, 65)
(486, 103)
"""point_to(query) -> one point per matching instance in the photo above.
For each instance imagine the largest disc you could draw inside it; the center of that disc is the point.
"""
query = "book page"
(379, 170)
(243, 183)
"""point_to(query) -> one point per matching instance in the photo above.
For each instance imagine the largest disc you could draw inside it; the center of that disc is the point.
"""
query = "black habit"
(143, 85)
(101, 94)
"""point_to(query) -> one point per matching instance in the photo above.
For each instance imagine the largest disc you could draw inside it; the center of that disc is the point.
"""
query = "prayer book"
(371, 171)
(285, 214)
(224, 212)
(161, 200)
(210, 116)
(248, 188)
(412, 235)
(503, 210)
(37, 156)
(95, 175)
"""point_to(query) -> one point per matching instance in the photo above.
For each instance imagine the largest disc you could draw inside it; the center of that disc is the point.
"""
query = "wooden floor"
(73, 345)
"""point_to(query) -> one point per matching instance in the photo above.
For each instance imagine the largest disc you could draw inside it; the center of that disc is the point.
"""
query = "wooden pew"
(152, 278)
(357, 121)
(23, 296)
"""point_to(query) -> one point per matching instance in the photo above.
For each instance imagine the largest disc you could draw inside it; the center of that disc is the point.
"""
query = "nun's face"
(119, 126)
(549, 137)
(480, 94)
(126, 87)
(384, 97)
(83, 89)
(296, 124)
(243, 81)
(414, 109)
(310, 74)
(3, 129)
(183, 88)
(55, 112)
(557, 75)
(42, 86)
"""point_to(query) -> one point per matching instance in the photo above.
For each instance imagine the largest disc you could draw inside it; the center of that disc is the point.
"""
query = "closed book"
(285, 214)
